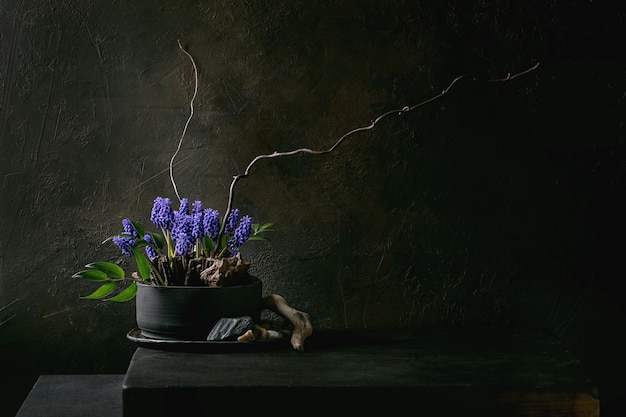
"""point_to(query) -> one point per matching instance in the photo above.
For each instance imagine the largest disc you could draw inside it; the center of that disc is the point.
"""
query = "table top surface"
(371, 358)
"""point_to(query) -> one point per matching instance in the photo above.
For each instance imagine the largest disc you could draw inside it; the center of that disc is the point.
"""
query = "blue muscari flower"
(197, 207)
(197, 226)
(231, 223)
(184, 240)
(211, 223)
(187, 225)
(129, 229)
(179, 220)
(125, 244)
(184, 207)
(242, 234)
(149, 249)
(162, 214)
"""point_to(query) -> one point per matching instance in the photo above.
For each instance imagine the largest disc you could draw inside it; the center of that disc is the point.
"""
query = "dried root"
(302, 328)
(226, 272)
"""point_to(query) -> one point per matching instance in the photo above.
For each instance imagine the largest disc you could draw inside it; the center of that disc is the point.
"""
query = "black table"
(491, 371)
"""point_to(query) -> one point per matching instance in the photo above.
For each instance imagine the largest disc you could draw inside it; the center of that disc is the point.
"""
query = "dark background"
(498, 204)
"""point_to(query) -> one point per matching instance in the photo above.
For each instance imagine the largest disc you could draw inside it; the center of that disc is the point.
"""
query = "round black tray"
(204, 345)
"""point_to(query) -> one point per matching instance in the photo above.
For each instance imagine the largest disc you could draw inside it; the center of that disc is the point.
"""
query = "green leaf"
(142, 263)
(126, 295)
(108, 268)
(91, 275)
(260, 228)
(208, 243)
(140, 243)
(138, 227)
(222, 243)
(158, 240)
(257, 238)
(103, 291)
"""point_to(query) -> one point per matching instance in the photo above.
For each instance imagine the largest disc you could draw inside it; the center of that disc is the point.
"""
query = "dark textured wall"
(500, 203)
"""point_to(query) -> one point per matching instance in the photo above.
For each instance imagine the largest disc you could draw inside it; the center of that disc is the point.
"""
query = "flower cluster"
(190, 239)
(186, 232)
(191, 231)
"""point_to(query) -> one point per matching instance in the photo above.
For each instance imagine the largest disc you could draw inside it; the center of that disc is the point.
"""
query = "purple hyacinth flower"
(211, 220)
(197, 226)
(184, 207)
(150, 252)
(242, 233)
(125, 244)
(129, 229)
(231, 222)
(182, 235)
(197, 207)
(162, 214)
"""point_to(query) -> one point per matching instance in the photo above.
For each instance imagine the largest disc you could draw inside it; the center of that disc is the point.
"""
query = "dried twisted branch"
(275, 154)
(371, 126)
(191, 111)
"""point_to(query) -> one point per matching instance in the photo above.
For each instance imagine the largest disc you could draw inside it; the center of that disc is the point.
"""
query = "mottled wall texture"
(500, 203)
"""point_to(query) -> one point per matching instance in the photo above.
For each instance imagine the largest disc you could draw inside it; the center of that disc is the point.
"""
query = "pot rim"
(253, 281)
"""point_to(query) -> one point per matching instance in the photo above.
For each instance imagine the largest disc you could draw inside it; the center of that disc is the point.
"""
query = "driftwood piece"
(226, 272)
(260, 332)
(299, 320)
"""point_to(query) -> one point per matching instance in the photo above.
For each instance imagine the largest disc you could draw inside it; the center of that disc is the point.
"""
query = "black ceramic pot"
(189, 313)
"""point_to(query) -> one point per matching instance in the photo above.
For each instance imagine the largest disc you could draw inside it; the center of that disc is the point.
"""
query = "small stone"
(230, 328)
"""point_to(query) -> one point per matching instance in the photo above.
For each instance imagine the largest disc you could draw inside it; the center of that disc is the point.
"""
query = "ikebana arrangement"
(193, 248)
(191, 282)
